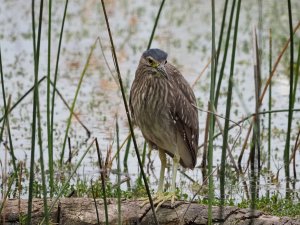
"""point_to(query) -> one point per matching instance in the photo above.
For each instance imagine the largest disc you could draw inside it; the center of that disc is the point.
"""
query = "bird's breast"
(152, 113)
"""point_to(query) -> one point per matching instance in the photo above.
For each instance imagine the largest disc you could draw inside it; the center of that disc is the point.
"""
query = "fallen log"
(75, 211)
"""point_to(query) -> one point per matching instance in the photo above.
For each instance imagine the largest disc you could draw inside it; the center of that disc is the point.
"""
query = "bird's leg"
(160, 199)
(163, 161)
(176, 160)
(159, 196)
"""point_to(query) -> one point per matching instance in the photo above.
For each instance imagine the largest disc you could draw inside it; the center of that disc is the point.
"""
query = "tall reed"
(54, 90)
(40, 142)
(103, 183)
(225, 139)
(221, 73)
(6, 119)
(270, 114)
(4, 97)
(118, 174)
(211, 118)
(228, 103)
(286, 154)
(125, 161)
(49, 131)
(36, 54)
(254, 155)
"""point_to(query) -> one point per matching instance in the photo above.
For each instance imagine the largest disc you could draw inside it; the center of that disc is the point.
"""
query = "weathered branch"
(75, 211)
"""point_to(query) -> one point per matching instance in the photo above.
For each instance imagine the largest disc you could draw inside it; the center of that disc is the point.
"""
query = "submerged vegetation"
(65, 128)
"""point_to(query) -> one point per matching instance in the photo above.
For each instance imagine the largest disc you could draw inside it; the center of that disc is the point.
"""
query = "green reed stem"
(36, 54)
(74, 101)
(102, 172)
(118, 174)
(11, 147)
(139, 180)
(125, 160)
(286, 154)
(3, 95)
(155, 24)
(228, 105)
(220, 45)
(221, 75)
(53, 93)
(49, 132)
(211, 118)
(296, 76)
(44, 187)
(128, 114)
(95, 203)
(254, 147)
(270, 115)
(6, 120)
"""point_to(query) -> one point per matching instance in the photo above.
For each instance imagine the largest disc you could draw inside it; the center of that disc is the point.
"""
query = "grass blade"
(225, 54)
(269, 115)
(102, 174)
(125, 161)
(44, 188)
(228, 104)
(49, 132)
(286, 155)
(6, 116)
(3, 95)
(255, 145)
(211, 118)
(53, 93)
(95, 203)
(36, 52)
(118, 174)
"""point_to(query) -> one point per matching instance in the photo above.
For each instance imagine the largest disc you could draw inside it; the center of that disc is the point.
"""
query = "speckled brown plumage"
(162, 106)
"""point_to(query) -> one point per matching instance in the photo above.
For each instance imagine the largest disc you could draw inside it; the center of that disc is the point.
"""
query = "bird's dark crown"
(156, 54)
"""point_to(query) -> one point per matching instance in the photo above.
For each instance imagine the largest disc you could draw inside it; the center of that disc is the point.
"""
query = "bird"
(163, 106)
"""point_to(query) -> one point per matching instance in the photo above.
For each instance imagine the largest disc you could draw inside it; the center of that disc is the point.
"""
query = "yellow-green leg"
(176, 160)
(163, 161)
(161, 198)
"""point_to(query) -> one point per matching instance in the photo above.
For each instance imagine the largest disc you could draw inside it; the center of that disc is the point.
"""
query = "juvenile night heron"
(162, 104)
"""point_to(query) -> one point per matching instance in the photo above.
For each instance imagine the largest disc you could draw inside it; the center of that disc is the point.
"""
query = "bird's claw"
(160, 198)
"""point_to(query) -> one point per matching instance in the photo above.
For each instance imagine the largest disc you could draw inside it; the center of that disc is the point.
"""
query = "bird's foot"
(160, 198)
(164, 197)
(154, 198)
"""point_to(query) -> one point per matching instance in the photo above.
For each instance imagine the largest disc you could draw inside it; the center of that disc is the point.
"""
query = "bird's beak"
(162, 70)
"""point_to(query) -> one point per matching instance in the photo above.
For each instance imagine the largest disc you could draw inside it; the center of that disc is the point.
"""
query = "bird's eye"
(166, 62)
(150, 60)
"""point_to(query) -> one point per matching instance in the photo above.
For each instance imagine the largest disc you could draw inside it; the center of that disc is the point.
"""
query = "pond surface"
(184, 31)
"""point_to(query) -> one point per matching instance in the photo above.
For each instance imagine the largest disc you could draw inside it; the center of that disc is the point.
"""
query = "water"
(184, 31)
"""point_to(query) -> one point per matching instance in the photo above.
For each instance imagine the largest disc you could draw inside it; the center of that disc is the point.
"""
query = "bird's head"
(154, 60)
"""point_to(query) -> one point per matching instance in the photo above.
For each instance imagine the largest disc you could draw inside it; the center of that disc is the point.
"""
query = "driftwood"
(82, 211)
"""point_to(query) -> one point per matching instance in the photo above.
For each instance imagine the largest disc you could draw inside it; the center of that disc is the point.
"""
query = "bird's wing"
(185, 112)
(181, 83)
